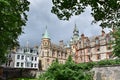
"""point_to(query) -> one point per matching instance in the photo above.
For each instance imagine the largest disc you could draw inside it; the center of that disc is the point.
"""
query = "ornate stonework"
(82, 48)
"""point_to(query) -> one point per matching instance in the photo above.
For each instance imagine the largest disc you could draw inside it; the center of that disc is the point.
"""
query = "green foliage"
(23, 79)
(12, 18)
(106, 11)
(72, 71)
(116, 46)
(67, 71)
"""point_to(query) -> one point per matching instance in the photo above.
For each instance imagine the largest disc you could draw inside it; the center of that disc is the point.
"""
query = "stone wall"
(11, 73)
(107, 73)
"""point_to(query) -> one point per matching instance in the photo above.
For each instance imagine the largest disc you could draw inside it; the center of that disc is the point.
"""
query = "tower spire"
(46, 35)
(75, 29)
(75, 33)
(46, 27)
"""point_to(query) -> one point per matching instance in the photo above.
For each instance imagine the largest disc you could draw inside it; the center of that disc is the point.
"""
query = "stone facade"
(48, 52)
(94, 48)
(81, 48)
(106, 73)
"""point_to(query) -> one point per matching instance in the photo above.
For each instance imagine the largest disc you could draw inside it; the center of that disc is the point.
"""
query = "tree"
(68, 71)
(105, 11)
(116, 46)
(12, 17)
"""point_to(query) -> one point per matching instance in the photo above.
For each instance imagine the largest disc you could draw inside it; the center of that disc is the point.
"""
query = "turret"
(46, 35)
(46, 41)
(75, 34)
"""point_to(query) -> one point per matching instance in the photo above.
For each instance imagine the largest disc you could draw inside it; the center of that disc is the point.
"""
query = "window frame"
(17, 64)
(18, 56)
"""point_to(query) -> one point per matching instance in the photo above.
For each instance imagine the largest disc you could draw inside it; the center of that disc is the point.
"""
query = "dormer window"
(31, 50)
(26, 50)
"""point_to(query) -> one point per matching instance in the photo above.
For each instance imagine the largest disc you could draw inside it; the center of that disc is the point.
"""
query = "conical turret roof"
(46, 35)
(75, 29)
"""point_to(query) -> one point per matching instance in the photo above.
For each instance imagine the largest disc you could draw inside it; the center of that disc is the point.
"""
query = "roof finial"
(75, 28)
(75, 24)
(46, 35)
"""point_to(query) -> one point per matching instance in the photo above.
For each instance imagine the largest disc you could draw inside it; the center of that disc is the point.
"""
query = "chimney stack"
(82, 36)
(103, 32)
(61, 43)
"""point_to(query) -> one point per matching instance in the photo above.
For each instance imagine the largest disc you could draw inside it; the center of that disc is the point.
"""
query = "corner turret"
(75, 34)
(46, 35)
(46, 41)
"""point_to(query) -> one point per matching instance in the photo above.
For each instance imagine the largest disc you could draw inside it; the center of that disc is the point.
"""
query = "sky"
(40, 16)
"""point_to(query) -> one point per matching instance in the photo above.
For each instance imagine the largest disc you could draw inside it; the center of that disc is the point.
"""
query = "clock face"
(45, 43)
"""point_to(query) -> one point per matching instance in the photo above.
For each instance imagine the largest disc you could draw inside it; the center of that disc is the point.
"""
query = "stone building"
(81, 48)
(95, 48)
(48, 51)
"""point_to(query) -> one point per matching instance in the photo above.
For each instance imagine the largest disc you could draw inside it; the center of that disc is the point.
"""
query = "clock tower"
(46, 41)
(45, 50)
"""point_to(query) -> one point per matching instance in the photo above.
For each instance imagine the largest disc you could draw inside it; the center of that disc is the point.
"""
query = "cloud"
(40, 16)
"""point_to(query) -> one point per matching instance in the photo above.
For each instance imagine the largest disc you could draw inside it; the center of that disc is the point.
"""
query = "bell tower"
(46, 41)
(45, 50)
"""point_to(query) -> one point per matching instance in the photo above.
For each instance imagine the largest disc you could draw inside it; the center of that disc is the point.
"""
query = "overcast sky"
(40, 16)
